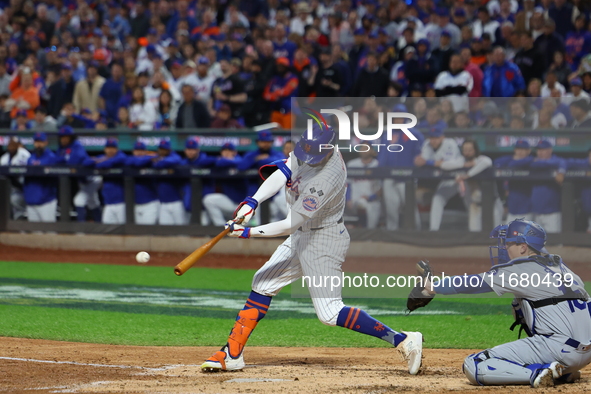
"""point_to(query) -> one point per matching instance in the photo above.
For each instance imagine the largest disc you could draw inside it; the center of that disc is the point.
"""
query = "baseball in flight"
(142, 257)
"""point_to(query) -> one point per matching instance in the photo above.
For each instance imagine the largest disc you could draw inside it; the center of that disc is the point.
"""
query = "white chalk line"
(77, 388)
(164, 368)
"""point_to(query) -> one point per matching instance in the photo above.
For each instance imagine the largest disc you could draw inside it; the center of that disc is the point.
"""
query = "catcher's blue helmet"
(520, 231)
(313, 150)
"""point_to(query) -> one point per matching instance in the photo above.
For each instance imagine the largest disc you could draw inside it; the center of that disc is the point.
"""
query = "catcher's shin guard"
(484, 371)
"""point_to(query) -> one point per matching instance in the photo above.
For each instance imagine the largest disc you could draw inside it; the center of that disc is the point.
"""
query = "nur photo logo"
(344, 129)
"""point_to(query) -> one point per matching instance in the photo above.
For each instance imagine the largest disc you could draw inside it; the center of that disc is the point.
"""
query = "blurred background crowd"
(229, 64)
(184, 65)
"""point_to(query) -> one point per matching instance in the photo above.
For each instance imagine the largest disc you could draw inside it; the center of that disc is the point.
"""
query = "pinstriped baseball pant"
(313, 254)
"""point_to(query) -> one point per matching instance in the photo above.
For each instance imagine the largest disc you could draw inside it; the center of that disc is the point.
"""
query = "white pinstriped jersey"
(318, 193)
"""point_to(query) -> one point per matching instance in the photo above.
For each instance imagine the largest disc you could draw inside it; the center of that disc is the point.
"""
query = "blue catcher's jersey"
(536, 278)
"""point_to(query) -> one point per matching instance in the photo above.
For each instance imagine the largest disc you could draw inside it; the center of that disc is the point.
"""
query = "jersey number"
(581, 305)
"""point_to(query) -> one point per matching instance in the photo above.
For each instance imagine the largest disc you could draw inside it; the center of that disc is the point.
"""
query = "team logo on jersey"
(310, 203)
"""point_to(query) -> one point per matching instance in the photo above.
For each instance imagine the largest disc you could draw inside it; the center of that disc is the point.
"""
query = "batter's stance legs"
(410, 344)
(229, 358)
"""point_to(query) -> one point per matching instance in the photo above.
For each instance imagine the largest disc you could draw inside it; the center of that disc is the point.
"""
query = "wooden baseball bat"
(191, 259)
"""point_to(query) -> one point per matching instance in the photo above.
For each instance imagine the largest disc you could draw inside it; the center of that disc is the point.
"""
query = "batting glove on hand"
(237, 230)
(246, 209)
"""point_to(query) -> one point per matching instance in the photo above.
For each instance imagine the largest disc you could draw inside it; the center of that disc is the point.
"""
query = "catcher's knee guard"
(470, 368)
(482, 370)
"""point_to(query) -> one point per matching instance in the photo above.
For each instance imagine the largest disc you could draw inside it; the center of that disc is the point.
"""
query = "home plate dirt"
(40, 366)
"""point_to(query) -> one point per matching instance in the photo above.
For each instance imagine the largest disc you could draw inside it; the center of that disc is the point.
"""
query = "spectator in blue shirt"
(394, 190)
(195, 158)
(172, 211)
(545, 195)
(21, 122)
(502, 78)
(585, 191)
(282, 47)
(518, 192)
(181, 14)
(111, 92)
(147, 205)
(73, 154)
(118, 24)
(220, 206)
(263, 155)
(41, 192)
(112, 190)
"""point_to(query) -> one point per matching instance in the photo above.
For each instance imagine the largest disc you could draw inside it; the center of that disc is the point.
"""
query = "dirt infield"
(40, 366)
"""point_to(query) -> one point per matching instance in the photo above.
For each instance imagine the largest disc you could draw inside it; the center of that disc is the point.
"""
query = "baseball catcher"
(550, 303)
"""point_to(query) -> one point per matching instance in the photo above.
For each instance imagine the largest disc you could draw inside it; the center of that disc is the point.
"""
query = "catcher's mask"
(501, 257)
(519, 231)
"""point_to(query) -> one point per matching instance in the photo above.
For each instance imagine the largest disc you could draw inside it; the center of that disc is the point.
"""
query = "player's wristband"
(245, 233)
(430, 162)
(251, 202)
(373, 197)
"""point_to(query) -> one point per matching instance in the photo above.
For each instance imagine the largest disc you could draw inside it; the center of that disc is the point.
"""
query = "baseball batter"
(550, 304)
(315, 184)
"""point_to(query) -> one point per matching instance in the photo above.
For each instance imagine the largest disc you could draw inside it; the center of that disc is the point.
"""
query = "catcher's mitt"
(419, 297)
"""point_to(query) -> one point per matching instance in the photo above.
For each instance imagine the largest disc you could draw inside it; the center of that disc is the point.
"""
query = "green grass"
(196, 278)
(143, 305)
(160, 330)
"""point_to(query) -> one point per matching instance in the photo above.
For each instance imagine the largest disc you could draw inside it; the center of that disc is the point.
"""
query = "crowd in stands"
(190, 64)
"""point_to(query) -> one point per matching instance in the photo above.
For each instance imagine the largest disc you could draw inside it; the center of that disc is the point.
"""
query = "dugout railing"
(491, 142)
(573, 143)
(408, 234)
